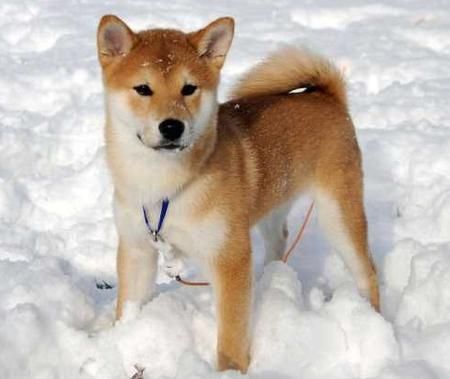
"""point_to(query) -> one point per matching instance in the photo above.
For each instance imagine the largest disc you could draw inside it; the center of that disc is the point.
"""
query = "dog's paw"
(173, 267)
(130, 312)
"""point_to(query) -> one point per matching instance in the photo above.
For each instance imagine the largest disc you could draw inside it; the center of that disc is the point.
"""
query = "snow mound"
(57, 238)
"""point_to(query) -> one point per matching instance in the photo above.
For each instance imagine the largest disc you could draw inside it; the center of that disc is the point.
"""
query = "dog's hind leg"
(340, 208)
(273, 228)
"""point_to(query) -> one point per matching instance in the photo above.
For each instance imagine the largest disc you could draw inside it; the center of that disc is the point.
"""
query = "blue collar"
(155, 233)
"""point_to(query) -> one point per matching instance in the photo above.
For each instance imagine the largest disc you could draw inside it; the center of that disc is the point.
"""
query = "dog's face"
(161, 84)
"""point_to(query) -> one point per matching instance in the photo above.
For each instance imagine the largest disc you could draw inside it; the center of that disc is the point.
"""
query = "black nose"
(171, 129)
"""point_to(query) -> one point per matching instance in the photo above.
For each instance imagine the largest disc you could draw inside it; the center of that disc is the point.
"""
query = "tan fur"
(255, 153)
(290, 68)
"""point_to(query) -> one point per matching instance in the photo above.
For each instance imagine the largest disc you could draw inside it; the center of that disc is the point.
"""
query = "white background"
(56, 232)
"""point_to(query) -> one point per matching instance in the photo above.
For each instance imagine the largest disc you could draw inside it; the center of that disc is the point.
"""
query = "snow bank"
(57, 240)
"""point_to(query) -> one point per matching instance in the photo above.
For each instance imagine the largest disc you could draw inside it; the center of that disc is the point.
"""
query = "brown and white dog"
(225, 167)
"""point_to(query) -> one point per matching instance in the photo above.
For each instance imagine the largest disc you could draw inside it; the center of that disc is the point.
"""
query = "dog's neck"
(145, 176)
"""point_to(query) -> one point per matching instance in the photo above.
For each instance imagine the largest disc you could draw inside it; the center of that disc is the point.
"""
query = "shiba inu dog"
(224, 167)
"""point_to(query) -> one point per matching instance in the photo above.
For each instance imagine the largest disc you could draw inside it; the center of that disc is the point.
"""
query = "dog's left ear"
(213, 41)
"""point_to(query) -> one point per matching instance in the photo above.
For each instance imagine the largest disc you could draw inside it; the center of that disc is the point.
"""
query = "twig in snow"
(139, 372)
(103, 285)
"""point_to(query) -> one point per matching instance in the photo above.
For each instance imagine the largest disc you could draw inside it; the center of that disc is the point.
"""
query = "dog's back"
(292, 135)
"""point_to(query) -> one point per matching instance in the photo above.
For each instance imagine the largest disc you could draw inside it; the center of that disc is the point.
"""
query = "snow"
(57, 239)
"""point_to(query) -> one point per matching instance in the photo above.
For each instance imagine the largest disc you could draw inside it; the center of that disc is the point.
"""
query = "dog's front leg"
(233, 288)
(136, 270)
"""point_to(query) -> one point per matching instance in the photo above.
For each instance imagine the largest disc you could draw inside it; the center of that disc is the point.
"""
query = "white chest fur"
(197, 236)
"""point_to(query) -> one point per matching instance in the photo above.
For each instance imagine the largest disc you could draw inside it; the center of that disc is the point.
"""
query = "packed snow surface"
(57, 239)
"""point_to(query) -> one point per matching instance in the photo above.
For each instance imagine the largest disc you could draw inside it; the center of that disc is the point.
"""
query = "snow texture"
(57, 240)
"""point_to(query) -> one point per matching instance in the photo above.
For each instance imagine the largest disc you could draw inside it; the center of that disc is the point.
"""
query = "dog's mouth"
(165, 146)
(170, 146)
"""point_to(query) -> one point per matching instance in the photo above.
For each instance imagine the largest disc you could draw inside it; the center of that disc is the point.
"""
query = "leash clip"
(155, 233)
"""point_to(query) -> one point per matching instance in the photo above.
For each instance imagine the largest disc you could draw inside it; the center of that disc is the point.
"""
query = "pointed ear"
(114, 39)
(213, 41)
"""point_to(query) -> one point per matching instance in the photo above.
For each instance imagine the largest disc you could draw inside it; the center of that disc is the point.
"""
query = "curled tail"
(291, 68)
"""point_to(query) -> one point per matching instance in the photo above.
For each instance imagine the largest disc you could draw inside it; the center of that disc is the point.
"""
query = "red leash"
(300, 233)
(285, 257)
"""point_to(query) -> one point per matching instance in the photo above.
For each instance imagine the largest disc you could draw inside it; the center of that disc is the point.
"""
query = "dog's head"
(161, 84)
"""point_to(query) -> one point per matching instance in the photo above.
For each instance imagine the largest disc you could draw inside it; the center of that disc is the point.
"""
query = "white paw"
(130, 311)
(173, 267)
(171, 259)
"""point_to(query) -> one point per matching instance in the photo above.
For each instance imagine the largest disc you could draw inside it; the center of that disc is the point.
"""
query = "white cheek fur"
(118, 108)
(125, 119)
(202, 120)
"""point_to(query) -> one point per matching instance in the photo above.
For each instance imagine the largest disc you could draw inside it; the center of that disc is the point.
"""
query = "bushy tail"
(290, 68)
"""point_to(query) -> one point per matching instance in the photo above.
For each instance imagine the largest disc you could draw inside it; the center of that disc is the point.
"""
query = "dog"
(224, 167)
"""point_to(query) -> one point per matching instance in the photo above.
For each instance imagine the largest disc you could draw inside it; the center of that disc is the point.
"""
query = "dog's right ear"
(114, 39)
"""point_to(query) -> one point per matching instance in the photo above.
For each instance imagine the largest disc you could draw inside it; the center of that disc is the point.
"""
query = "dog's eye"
(143, 90)
(188, 89)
